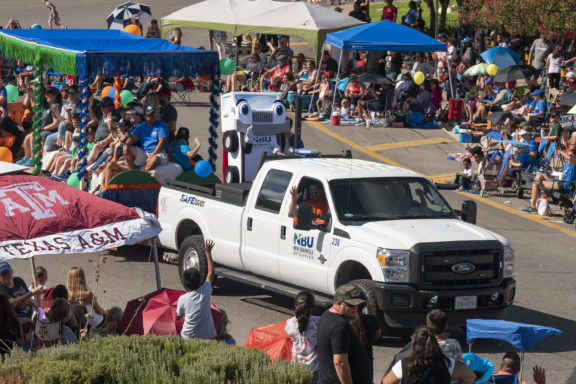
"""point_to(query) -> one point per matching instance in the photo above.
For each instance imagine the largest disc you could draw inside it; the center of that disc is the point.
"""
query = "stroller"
(494, 174)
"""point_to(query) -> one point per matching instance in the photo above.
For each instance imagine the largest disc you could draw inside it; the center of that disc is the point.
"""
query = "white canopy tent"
(308, 21)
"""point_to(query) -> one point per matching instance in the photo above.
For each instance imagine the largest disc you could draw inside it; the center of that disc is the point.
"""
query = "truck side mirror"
(469, 212)
(303, 217)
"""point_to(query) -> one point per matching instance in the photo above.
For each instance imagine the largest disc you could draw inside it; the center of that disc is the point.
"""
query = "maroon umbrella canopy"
(41, 216)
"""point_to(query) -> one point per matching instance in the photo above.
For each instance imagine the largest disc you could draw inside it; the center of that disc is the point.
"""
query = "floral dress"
(304, 346)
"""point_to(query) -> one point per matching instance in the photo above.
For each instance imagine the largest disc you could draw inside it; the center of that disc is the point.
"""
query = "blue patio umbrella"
(501, 57)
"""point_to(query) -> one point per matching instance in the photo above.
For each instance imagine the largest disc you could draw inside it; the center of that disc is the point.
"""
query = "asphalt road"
(545, 251)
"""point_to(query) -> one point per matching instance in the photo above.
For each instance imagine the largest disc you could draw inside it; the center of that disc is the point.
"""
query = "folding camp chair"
(182, 91)
(526, 177)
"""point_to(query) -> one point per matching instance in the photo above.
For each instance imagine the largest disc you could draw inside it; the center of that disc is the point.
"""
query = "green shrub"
(149, 359)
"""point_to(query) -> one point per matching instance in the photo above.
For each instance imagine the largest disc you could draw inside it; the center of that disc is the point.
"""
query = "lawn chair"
(46, 335)
(494, 175)
(526, 177)
(182, 91)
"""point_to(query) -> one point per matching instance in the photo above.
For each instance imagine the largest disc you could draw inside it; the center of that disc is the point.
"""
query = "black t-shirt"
(371, 326)
(329, 65)
(336, 336)
(372, 64)
(438, 373)
(19, 289)
(396, 63)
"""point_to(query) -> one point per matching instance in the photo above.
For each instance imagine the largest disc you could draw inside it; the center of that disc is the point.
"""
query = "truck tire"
(231, 175)
(368, 294)
(230, 141)
(192, 255)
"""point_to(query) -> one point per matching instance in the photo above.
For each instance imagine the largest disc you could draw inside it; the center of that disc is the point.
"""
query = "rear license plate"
(465, 302)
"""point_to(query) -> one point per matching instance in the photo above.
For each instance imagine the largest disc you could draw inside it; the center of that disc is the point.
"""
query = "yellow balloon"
(492, 69)
(419, 77)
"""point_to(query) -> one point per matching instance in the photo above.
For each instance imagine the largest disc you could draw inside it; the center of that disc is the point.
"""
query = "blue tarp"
(384, 36)
(522, 336)
(113, 52)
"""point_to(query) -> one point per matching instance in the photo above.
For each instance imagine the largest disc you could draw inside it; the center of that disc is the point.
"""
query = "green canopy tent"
(308, 21)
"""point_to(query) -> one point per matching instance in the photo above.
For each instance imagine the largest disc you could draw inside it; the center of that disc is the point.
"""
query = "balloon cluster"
(122, 97)
(214, 106)
(37, 124)
(83, 114)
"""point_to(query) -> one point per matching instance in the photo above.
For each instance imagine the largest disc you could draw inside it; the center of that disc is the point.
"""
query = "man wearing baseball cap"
(148, 144)
(342, 357)
(16, 291)
(540, 107)
(168, 113)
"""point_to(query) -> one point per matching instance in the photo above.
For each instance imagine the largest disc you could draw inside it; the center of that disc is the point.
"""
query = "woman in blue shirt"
(181, 153)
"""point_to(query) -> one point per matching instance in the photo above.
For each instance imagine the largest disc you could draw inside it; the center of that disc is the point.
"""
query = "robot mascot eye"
(279, 112)
(244, 112)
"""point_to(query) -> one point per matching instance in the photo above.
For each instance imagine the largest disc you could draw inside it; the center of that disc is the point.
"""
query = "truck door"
(261, 225)
(304, 256)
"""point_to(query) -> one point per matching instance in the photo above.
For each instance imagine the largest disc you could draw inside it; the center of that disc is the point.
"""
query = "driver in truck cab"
(316, 198)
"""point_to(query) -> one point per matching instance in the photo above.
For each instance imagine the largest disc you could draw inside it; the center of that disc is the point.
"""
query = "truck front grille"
(262, 117)
(460, 268)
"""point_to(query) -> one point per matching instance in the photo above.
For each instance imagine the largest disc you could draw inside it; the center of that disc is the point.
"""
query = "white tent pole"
(34, 281)
(154, 246)
(317, 76)
(336, 80)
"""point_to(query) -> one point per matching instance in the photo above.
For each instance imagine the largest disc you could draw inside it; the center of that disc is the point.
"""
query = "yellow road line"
(444, 177)
(525, 215)
(405, 144)
(358, 147)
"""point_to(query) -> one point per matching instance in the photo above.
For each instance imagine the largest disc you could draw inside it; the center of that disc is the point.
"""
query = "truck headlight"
(395, 265)
(508, 262)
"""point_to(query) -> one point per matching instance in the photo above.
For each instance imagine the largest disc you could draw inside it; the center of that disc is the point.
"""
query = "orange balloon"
(133, 29)
(5, 155)
(106, 91)
(8, 141)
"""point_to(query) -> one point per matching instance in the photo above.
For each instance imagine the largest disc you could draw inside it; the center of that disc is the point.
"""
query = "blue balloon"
(203, 168)
(36, 26)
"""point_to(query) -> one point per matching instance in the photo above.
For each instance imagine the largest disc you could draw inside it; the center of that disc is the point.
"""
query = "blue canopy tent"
(383, 36)
(90, 52)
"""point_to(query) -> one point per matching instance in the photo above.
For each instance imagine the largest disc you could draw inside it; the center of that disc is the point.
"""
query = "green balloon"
(126, 96)
(73, 180)
(12, 93)
(227, 66)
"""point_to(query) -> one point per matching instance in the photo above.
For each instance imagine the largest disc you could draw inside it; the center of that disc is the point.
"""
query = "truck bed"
(235, 193)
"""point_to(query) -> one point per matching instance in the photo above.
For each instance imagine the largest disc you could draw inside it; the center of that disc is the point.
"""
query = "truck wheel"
(368, 294)
(192, 256)
(231, 175)
(230, 141)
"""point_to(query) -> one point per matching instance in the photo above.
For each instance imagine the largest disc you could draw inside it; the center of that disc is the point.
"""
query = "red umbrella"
(272, 339)
(41, 216)
(159, 314)
(156, 313)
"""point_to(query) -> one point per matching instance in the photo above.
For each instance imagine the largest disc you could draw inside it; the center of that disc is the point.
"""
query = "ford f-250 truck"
(387, 231)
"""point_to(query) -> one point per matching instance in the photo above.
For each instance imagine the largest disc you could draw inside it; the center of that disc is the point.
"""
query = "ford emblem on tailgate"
(463, 268)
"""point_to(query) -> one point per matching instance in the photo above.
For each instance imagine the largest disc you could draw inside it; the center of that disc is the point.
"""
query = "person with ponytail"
(302, 329)
(427, 364)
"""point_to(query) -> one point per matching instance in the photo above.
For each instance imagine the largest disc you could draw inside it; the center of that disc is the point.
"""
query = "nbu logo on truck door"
(304, 246)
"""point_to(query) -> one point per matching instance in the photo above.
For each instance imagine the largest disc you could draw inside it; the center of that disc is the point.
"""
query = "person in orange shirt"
(316, 198)
(510, 369)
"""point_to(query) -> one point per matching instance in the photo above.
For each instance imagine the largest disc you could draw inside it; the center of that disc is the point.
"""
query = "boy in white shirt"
(194, 305)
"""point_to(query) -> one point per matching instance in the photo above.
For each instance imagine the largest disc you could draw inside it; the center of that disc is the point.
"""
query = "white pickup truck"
(387, 230)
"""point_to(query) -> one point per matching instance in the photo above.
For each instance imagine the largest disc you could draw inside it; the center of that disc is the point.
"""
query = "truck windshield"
(375, 199)
(260, 101)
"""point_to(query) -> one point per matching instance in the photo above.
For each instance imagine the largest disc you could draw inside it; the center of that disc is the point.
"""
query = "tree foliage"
(530, 17)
